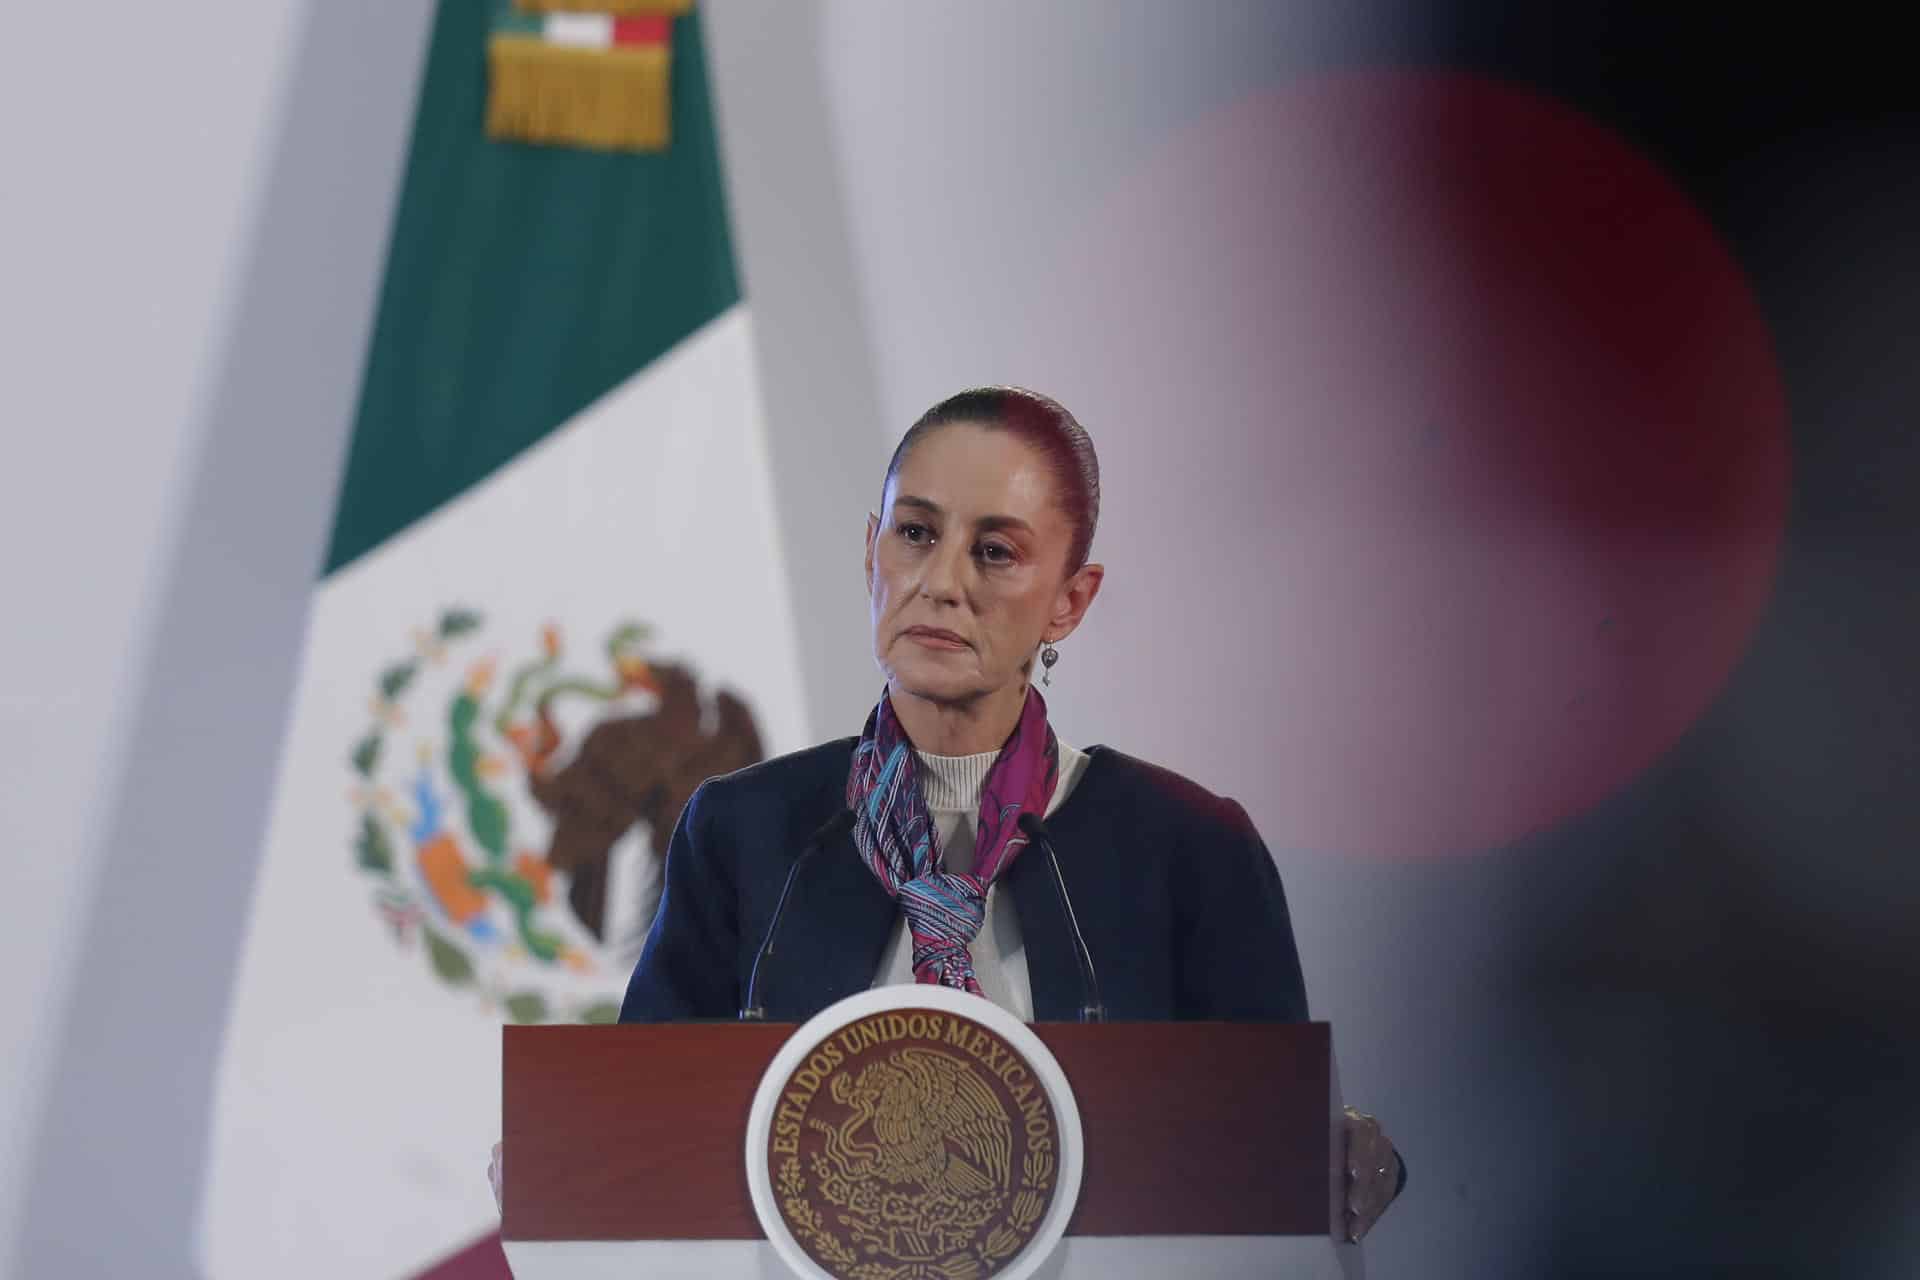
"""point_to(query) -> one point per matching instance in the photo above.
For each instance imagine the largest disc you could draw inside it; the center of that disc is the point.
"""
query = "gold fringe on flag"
(607, 99)
(619, 8)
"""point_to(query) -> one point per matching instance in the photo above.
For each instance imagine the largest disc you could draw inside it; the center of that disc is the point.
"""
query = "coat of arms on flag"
(513, 816)
(584, 73)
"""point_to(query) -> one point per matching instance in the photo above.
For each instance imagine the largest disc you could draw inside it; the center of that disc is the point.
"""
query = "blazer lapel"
(837, 926)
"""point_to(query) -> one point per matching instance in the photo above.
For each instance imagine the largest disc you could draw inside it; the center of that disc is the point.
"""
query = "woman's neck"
(960, 728)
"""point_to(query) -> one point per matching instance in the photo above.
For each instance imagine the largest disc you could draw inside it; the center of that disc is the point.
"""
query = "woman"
(978, 563)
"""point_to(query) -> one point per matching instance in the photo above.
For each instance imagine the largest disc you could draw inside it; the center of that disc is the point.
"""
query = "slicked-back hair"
(1041, 422)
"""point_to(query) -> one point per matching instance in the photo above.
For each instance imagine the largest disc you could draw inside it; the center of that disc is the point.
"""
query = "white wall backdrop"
(195, 206)
(125, 219)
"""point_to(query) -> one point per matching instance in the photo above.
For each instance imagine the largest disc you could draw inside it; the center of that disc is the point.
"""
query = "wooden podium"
(1212, 1149)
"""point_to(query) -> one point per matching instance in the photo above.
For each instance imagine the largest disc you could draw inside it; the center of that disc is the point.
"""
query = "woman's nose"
(941, 582)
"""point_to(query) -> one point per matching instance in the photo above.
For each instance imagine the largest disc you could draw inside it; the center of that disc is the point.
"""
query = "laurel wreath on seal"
(805, 1221)
(809, 1227)
(1036, 1172)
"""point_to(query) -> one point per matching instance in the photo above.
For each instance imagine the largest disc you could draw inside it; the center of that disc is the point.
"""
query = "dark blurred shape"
(1733, 994)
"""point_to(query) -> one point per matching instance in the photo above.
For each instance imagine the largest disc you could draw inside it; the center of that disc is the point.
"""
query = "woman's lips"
(935, 638)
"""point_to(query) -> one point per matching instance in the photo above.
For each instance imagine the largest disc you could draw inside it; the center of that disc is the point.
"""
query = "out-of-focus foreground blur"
(1508, 417)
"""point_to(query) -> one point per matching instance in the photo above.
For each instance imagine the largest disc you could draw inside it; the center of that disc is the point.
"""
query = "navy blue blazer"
(1179, 901)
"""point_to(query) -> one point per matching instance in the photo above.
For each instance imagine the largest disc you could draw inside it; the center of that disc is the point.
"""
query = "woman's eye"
(916, 533)
(995, 553)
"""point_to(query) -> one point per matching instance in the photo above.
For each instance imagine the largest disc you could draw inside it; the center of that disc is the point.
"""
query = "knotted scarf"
(895, 834)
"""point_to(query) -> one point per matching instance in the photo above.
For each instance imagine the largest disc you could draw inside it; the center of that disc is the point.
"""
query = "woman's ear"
(873, 532)
(1075, 598)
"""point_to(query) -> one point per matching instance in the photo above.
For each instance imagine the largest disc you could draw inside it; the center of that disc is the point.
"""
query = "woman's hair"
(1041, 422)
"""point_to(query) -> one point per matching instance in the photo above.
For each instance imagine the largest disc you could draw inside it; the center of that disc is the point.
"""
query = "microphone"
(832, 829)
(1091, 1010)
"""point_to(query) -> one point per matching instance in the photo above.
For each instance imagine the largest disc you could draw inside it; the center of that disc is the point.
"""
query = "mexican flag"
(553, 603)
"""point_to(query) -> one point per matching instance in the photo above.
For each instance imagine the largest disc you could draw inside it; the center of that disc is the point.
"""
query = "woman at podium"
(958, 839)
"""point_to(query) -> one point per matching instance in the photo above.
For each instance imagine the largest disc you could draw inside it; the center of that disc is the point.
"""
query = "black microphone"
(1091, 1010)
(835, 827)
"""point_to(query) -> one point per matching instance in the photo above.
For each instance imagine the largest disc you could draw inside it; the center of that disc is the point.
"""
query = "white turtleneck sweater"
(952, 786)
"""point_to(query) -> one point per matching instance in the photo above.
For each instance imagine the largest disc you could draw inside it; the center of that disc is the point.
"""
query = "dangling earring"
(1048, 656)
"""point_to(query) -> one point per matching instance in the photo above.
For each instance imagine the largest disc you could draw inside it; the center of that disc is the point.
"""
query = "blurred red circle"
(1484, 419)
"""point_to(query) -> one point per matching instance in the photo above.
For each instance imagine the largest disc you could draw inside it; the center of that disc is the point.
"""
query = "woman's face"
(967, 567)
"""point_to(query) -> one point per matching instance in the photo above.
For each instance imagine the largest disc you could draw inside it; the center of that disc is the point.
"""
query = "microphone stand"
(836, 826)
(1091, 1009)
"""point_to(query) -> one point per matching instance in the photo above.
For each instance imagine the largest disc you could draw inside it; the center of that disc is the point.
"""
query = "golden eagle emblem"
(928, 1122)
(912, 1145)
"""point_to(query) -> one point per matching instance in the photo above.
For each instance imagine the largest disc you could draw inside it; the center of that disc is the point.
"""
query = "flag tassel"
(607, 99)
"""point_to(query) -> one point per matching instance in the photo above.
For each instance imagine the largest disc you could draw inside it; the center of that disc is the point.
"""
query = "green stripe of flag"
(522, 283)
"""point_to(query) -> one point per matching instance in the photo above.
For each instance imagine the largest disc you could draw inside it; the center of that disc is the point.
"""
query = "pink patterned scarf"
(895, 833)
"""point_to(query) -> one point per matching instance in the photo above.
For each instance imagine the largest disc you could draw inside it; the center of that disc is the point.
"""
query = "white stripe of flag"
(582, 30)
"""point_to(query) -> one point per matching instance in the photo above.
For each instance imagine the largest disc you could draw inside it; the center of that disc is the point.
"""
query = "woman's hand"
(494, 1174)
(1373, 1172)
